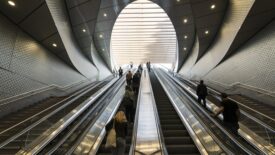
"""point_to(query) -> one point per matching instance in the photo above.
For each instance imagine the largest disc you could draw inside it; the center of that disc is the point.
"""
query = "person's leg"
(232, 127)
(121, 146)
(204, 101)
(199, 99)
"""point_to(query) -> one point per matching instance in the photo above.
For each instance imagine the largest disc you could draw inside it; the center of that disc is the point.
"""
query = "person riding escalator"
(119, 126)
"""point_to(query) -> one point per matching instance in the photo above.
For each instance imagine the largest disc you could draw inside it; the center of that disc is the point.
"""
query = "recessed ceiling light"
(105, 14)
(213, 6)
(54, 45)
(178, 0)
(184, 48)
(101, 36)
(185, 37)
(185, 20)
(11, 3)
(84, 30)
(206, 32)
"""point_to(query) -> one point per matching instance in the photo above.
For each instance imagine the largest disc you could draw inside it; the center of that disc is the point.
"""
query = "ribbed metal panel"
(234, 19)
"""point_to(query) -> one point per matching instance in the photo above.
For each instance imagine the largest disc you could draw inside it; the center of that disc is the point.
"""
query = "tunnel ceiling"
(143, 32)
(88, 23)
(181, 13)
(34, 18)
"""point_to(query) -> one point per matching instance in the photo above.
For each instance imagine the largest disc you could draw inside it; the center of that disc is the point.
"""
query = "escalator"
(256, 122)
(15, 144)
(265, 109)
(261, 111)
(22, 114)
(256, 137)
(176, 137)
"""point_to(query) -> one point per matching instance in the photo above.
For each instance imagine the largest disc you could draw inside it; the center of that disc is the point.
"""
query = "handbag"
(111, 138)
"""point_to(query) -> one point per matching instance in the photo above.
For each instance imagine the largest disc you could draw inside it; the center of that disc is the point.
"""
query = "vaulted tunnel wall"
(27, 66)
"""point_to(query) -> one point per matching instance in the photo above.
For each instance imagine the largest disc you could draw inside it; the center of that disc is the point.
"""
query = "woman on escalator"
(119, 124)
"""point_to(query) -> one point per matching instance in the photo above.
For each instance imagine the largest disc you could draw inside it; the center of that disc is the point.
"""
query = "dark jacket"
(201, 90)
(230, 111)
(120, 128)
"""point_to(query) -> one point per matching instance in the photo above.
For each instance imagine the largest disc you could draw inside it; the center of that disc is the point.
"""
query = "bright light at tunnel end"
(143, 32)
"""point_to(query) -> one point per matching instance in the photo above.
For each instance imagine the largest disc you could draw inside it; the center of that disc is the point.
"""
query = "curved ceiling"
(176, 10)
(143, 32)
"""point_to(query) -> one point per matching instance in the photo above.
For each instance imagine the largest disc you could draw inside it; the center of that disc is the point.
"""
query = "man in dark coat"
(202, 93)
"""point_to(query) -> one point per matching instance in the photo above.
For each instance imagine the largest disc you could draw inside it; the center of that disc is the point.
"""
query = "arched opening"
(143, 32)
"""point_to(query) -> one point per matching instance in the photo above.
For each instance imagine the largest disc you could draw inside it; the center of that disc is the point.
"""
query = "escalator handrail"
(216, 94)
(202, 149)
(258, 145)
(40, 142)
(85, 131)
(67, 101)
(102, 133)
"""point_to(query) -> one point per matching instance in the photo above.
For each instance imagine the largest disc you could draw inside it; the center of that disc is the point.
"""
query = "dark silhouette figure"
(231, 114)
(128, 103)
(140, 68)
(148, 64)
(136, 80)
(120, 72)
(129, 78)
(202, 93)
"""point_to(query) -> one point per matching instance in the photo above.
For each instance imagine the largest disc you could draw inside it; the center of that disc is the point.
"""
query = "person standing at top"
(119, 123)
(231, 114)
(149, 66)
(120, 72)
(202, 93)
(140, 67)
(129, 77)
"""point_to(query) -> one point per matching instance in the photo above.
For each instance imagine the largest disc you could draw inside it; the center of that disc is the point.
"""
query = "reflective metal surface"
(93, 138)
(147, 139)
(254, 139)
(203, 140)
(35, 146)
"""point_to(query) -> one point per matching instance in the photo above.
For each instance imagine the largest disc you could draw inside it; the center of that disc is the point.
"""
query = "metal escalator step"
(172, 133)
(172, 127)
(178, 140)
(176, 137)
(182, 149)
(177, 121)
(166, 113)
(168, 116)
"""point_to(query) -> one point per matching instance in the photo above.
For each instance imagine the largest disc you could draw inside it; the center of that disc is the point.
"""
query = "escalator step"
(172, 127)
(172, 133)
(181, 149)
(178, 140)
